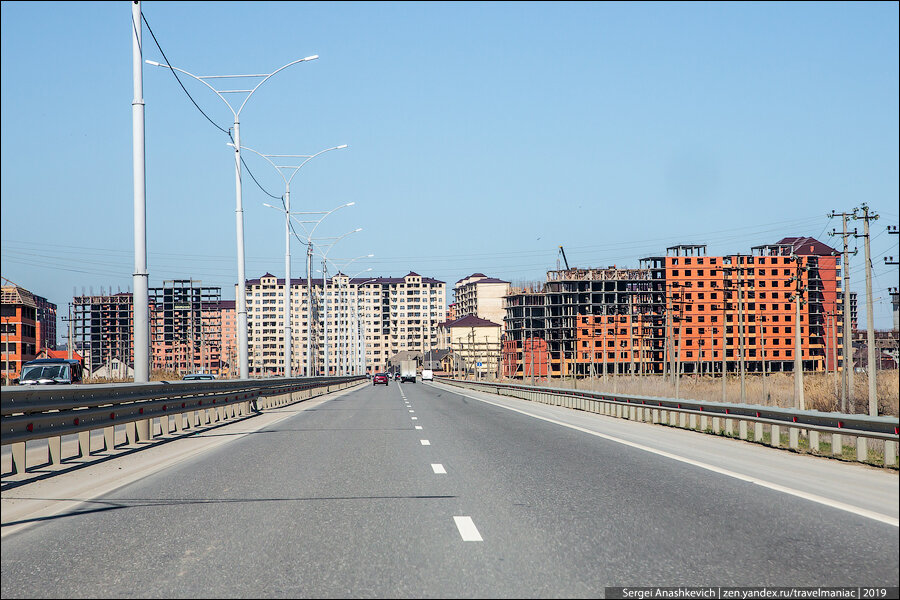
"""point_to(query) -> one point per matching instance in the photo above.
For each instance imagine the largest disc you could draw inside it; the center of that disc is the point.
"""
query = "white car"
(427, 375)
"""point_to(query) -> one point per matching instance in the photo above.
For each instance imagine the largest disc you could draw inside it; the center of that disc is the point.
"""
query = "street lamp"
(352, 335)
(342, 268)
(293, 169)
(241, 301)
(325, 288)
(309, 253)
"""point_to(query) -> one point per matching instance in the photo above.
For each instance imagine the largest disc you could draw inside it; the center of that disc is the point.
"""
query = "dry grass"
(777, 389)
(155, 375)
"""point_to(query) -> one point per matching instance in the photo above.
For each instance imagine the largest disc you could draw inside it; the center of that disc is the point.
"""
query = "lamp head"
(153, 62)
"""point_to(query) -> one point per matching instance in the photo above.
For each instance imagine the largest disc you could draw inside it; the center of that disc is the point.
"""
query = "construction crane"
(563, 252)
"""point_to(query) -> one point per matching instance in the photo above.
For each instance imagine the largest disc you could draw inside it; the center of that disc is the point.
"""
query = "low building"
(476, 344)
(18, 330)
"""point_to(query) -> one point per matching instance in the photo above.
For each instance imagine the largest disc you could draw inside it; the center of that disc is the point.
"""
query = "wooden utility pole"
(847, 338)
(870, 318)
(799, 402)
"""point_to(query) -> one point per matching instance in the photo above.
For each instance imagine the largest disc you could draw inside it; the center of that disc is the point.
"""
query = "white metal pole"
(309, 310)
(325, 310)
(141, 298)
(870, 321)
(241, 300)
(287, 280)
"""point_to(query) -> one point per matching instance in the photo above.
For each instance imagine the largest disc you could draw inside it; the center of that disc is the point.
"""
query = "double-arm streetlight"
(309, 252)
(329, 247)
(287, 173)
(341, 355)
(241, 300)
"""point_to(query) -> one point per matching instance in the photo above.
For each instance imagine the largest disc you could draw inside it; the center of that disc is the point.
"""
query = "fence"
(804, 430)
(50, 412)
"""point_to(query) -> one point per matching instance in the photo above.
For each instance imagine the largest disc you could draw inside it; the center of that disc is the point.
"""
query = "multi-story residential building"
(476, 344)
(186, 327)
(684, 310)
(228, 316)
(18, 330)
(46, 323)
(481, 296)
(358, 324)
(185, 330)
(103, 333)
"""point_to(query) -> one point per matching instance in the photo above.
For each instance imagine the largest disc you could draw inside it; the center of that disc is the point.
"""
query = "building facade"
(481, 296)
(357, 324)
(18, 330)
(476, 344)
(685, 311)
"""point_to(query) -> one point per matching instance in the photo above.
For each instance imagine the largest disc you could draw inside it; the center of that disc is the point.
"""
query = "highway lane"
(350, 499)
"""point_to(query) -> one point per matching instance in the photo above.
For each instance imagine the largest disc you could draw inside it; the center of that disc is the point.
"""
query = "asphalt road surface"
(420, 490)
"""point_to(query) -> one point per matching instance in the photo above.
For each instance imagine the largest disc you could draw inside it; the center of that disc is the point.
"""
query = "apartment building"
(18, 330)
(185, 330)
(481, 296)
(357, 325)
(684, 310)
(475, 343)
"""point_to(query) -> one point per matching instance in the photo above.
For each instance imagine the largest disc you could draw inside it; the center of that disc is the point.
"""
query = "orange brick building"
(685, 310)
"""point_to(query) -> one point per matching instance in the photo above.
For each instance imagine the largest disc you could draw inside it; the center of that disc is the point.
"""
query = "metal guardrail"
(33, 413)
(719, 418)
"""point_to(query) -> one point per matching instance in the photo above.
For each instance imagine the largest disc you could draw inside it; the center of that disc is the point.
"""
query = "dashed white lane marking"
(414, 418)
(862, 512)
(467, 529)
(425, 442)
(412, 411)
(438, 469)
(418, 427)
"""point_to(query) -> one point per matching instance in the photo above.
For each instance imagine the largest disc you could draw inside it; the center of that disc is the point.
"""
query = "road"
(420, 490)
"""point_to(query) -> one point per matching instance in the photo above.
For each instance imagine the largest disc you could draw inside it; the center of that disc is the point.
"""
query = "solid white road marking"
(869, 514)
(467, 529)
(438, 469)
(425, 442)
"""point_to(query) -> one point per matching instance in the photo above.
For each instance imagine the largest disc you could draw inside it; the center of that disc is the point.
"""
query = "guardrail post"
(703, 422)
(164, 425)
(837, 444)
(890, 453)
(757, 432)
(18, 457)
(716, 425)
(775, 436)
(84, 444)
(144, 431)
(794, 438)
(109, 438)
(55, 446)
(862, 454)
(814, 442)
(131, 433)
(742, 429)
(654, 415)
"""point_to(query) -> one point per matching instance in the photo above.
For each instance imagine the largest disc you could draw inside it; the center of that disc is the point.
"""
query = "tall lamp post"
(353, 317)
(340, 355)
(309, 252)
(241, 300)
(293, 170)
(331, 245)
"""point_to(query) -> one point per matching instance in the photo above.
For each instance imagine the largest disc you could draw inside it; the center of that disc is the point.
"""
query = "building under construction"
(186, 327)
(103, 333)
(686, 311)
(185, 330)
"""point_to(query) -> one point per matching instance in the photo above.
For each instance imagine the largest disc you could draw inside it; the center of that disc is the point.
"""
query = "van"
(427, 375)
(51, 371)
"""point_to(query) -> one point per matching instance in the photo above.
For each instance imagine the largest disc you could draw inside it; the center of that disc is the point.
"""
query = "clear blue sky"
(482, 135)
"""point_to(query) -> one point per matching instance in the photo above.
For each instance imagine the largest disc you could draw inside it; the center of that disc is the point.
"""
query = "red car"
(379, 378)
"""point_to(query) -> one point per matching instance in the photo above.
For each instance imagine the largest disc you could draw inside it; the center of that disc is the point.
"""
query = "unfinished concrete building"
(684, 310)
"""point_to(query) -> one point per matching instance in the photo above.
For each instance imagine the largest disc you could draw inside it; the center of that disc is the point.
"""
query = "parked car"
(196, 376)
(380, 378)
(427, 375)
(51, 371)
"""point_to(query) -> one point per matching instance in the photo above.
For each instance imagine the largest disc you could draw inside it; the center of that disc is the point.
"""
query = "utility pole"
(870, 318)
(847, 339)
(799, 402)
